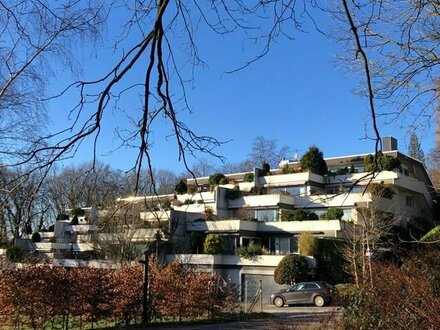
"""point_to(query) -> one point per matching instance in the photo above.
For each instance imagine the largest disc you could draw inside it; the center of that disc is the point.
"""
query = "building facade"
(268, 209)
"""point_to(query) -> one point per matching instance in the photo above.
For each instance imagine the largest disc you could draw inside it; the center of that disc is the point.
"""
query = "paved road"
(285, 318)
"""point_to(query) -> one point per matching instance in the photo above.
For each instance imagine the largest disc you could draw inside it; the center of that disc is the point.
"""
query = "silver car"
(317, 293)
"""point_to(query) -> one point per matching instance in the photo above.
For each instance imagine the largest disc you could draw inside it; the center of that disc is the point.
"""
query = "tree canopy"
(292, 268)
(414, 148)
(313, 161)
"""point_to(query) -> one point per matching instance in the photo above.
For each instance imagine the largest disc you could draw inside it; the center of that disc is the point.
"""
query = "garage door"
(250, 284)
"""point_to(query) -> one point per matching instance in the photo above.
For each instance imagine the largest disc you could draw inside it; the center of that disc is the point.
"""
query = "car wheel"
(319, 301)
(278, 301)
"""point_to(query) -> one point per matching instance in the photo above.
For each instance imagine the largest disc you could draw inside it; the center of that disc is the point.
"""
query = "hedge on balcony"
(298, 215)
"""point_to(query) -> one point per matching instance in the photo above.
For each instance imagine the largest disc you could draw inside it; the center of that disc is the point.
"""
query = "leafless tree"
(395, 46)
(37, 39)
(125, 227)
(369, 236)
(266, 151)
(25, 208)
(84, 185)
(157, 30)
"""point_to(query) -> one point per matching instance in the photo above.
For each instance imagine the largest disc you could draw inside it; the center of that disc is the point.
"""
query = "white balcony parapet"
(143, 199)
(205, 196)
(86, 263)
(296, 227)
(246, 186)
(290, 179)
(76, 247)
(261, 201)
(46, 234)
(362, 178)
(153, 216)
(328, 227)
(80, 228)
(337, 200)
(134, 235)
(230, 260)
(222, 225)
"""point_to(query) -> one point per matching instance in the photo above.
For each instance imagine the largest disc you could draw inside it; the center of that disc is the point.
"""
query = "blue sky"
(296, 94)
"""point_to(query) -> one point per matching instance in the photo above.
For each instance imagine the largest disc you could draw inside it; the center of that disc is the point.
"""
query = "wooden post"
(245, 295)
(146, 298)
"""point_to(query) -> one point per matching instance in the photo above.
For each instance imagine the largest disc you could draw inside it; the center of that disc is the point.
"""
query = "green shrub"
(432, 235)
(248, 177)
(4, 244)
(234, 193)
(215, 179)
(181, 187)
(381, 162)
(333, 213)
(298, 215)
(286, 169)
(14, 253)
(62, 216)
(192, 189)
(307, 244)
(250, 251)
(36, 237)
(224, 181)
(380, 190)
(397, 300)
(258, 190)
(313, 161)
(209, 212)
(74, 221)
(346, 294)
(266, 168)
(292, 268)
(165, 204)
(188, 201)
(78, 212)
(28, 229)
(212, 244)
(196, 242)
(332, 265)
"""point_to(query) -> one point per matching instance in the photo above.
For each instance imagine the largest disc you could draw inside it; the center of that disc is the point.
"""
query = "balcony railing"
(261, 201)
(209, 260)
(222, 226)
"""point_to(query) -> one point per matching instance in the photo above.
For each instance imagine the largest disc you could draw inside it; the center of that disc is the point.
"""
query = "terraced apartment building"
(267, 208)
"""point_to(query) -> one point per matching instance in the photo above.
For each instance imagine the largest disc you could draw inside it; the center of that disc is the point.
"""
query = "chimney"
(389, 143)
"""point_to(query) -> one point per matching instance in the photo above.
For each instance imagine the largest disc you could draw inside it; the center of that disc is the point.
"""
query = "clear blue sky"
(296, 95)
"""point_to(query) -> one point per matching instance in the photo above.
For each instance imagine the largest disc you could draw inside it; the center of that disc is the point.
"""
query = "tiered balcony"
(330, 228)
(290, 179)
(261, 201)
(222, 226)
(49, 247)
(209, 260)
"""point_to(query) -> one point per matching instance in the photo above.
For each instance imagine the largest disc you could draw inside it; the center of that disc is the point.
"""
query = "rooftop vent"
(389, 143)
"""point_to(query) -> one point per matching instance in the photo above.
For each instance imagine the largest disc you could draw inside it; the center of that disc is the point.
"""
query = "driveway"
(284, 318)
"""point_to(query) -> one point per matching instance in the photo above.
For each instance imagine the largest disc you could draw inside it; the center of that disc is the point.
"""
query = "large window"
(280, 245)
(267, 215)
(295, 191)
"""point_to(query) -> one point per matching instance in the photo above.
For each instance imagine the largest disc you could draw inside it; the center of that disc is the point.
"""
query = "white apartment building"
(253, 207)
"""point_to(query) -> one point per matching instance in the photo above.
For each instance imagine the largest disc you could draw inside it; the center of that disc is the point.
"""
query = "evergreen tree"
(414, 148)
(313, 161)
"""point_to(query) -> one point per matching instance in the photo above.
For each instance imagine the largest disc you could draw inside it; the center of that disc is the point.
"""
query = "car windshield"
(297, 287)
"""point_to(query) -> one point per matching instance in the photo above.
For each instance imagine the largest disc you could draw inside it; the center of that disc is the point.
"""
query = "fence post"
(245, 296)
(261, 295)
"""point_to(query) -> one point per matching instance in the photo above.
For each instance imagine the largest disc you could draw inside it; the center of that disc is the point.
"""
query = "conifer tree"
(414, 147)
